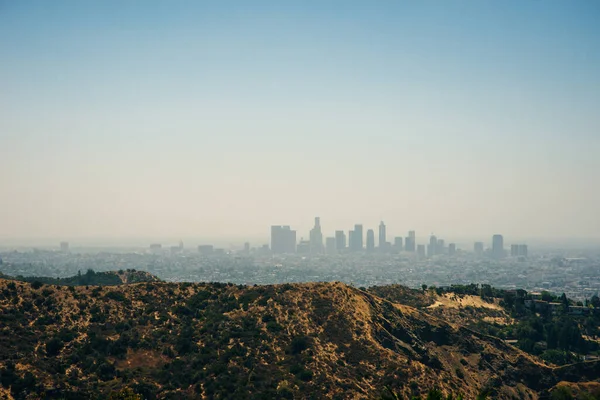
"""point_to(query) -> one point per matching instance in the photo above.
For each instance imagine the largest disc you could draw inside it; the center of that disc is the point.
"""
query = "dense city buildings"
(576, 273)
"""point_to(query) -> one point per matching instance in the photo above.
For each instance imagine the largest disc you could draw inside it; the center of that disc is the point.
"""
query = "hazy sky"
(221, 118)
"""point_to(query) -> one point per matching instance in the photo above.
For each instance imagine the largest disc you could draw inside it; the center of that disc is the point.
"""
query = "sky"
(217, 119)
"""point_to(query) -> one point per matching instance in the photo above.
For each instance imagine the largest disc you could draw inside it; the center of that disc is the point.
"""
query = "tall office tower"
(64, 247)
(432, 247)
(452, 249)
(283, 239)
(340, 240)
(356, 244)
(206, 249)
(421, 251)
(497, 246)
(518, 250)
(330, 245)
(351, 240)
(316, 237)
(441, 247)
(303, 247)
(523, 251)
(382, 239)
(411, 241)
(478, 248)
(246, 248)
(514, 250)
(370, 240)
(398, 243)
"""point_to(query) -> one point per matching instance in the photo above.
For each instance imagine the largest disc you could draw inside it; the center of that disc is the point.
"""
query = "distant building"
(398, 243)
(411, 241)
(206, 249)
(246, 248)
(441, 247)
(518, 250)
(421, 251)
(382, 237)
(316, 237)
(283, 239)
(64, 247)
(498, 246)
(370, 240)
(330, 245)
(451, 249)
(303, 247)
(155, 248)
(478, 248)
(356, 243)
(432, 247)
(340, 240)
(523, 250)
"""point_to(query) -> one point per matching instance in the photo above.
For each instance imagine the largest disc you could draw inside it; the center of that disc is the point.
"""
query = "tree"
(595, 300)
(54, 346)
(435, 394)
(424, 287)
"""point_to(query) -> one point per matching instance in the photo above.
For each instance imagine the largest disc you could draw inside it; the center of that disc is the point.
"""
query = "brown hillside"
(313, 340)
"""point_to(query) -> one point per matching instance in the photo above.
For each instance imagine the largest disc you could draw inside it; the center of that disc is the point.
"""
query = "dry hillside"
(313, 340)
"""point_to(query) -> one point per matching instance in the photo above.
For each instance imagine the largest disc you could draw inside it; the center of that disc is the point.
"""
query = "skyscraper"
(523, 251)
(370, 240)
(432, 247)
(330, 245)
(356, 243)
(382, 239)
(478, 248)
(421, 251)
(518, 250)
(316, 237)
(497, 246)
(451, 249)
(64, 247)
(411, 241)
(340, 240)
(283, 239)
(514, 250)
(398, 243)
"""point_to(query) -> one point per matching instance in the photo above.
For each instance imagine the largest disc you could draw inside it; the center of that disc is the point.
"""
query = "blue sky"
(181, 119)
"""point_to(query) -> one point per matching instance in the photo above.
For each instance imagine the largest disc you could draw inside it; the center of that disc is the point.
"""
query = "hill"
(108, 278)
(313, 340)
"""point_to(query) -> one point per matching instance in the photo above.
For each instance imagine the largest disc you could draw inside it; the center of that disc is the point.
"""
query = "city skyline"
(218, 119)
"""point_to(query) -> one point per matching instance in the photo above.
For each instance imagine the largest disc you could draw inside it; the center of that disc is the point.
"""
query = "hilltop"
(107, 278)
(192, 340)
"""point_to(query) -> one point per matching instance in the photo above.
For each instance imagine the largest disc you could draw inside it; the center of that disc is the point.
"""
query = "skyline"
(201, 119)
